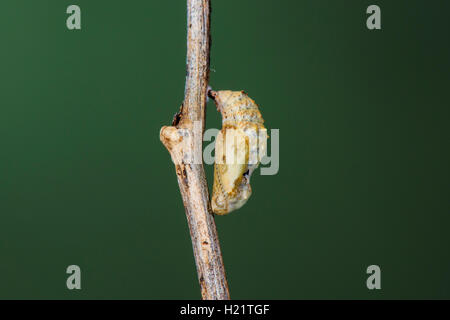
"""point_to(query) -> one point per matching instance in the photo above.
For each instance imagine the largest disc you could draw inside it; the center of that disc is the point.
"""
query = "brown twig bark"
(185, 148)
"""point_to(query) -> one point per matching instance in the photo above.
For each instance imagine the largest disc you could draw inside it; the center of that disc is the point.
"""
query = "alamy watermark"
(239, 146)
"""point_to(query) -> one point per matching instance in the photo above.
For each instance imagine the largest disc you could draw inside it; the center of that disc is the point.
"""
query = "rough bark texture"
(184, 146)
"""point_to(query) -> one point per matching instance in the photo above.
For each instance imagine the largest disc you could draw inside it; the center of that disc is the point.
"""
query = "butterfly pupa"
(240, 145)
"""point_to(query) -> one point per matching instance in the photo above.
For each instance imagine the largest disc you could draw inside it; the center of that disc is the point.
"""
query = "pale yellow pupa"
(240, 145)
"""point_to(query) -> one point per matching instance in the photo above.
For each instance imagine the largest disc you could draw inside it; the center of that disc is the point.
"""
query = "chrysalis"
(240, 145)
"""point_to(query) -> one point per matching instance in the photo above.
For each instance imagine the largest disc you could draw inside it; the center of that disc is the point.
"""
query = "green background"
(364, 161)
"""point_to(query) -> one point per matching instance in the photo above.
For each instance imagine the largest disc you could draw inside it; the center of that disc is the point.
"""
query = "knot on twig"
(173, 141)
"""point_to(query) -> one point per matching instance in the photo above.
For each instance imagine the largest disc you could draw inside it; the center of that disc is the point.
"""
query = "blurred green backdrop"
(364, 173)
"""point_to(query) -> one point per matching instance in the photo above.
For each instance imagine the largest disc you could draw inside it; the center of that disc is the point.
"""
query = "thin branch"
(184, 147)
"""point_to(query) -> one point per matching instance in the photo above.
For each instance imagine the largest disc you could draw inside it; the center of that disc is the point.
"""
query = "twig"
(182, 148)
